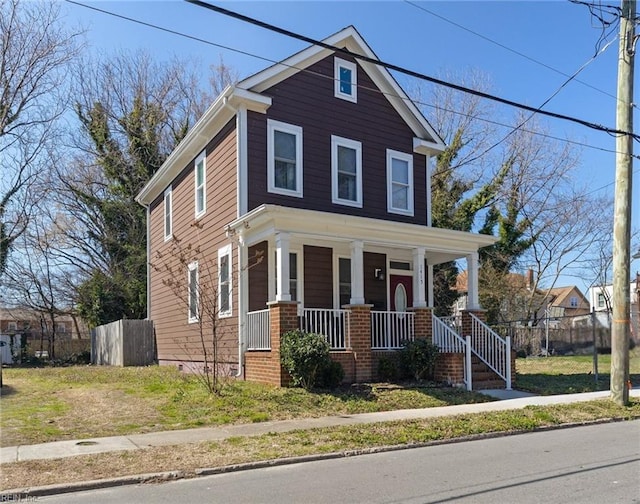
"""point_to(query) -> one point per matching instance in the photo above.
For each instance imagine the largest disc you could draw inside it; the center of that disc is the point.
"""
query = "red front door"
(400, 292)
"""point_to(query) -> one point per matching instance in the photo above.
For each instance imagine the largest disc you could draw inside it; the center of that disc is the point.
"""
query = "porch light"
(378, 274)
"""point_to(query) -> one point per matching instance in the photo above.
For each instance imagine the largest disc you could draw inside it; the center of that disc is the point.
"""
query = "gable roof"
(560, 294)
(247, 93)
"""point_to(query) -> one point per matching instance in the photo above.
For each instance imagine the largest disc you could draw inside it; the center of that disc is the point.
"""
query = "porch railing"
(258, 330)
(333, 324)
(446, 337)
(389, 329)
(494, 350)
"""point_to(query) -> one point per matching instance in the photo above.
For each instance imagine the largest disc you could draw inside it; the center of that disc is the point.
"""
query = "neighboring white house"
(600, 301)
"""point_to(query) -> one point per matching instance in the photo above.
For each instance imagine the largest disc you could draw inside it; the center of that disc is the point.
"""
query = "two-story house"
(302, 199)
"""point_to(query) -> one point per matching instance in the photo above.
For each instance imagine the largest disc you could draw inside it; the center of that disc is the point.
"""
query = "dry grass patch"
(236, 450)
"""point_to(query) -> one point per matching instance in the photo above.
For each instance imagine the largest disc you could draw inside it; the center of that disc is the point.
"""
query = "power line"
(507, 48)
(360, 86)
(406, 71)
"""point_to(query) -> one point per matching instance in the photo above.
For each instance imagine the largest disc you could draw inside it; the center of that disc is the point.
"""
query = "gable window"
(284, 158)
(200, 176)
(224, 281)
(193, 293)
(346, 171)
(345, 80)
(601, 300)
(168, 213)
(573, 302)
(13, 326)
(399, 182)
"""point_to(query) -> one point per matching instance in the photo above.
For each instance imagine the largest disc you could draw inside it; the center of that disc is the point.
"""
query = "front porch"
(359, 337)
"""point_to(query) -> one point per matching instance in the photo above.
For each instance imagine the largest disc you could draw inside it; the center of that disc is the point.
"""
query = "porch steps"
(484, 378)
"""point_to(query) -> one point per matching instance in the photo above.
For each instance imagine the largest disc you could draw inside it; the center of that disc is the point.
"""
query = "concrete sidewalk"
(508, 400)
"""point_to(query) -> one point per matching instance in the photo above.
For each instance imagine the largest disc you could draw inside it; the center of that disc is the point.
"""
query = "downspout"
(148, 207)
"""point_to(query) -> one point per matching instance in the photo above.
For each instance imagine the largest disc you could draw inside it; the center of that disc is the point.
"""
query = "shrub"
(388, 369)
(303, 355)
(331, 374)
(419, 358)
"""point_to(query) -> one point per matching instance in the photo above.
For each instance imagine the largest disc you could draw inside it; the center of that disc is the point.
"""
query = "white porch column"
(472, 282)
(357, 273)
(430, 286)
(282, 267)
(419, 300)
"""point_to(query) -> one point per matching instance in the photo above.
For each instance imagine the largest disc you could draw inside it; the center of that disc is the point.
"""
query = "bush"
(388, 369)
(303, 355)
(331, 374)
(419, 358)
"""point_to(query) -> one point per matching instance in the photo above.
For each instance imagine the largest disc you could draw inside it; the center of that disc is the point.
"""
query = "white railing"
(454, 322)
(389, 329)
(258, 330)
(494, 350)
(333, 324)
(448, 340)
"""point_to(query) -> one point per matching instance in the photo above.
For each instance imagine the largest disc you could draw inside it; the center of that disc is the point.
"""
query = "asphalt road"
(593, 464)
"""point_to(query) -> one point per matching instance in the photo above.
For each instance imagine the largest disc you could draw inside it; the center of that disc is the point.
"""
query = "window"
(13, 326)
(200, 176)
(399, 182)
(224, 281)
(61, 328)
(345, 80)
(344, 280)
(346, 171)
(573, 302)
(284, 158)
(168, 213)
(601, 300)
(194, 294)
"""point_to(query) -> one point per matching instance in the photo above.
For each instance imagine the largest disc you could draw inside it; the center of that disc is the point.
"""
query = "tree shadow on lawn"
(551, 384)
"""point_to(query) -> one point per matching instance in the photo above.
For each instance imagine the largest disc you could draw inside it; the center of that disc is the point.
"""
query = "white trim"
(242, 160)
(429, 171)
(168, 200)
(225, 252)
(347, 65)
(408, 158)
(202, 157)
(193, 266)
(336, 142)
(272, 127)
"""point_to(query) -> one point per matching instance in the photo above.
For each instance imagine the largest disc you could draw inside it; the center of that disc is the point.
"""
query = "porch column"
(472, 281)
(430, 285)
(357, 273)
(282, 267)
(419, 290)
(360, 337)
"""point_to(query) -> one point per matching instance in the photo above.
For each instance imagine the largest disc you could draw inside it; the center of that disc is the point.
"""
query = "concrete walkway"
(508, 400)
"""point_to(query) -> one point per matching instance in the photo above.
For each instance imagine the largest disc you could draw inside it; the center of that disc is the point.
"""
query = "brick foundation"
(422, 323)
(450, 369)
(360, 338)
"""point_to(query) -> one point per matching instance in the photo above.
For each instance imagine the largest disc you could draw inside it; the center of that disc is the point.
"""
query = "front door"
(400, 292)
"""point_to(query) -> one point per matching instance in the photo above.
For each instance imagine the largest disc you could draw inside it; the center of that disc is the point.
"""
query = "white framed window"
(344, 281)
(12, 326)
(193, 281)
(295, 274)
(224, 281)
(573, 302)
(346, 171)
(345, 80)
(284, 158)
(200, 176)
(601, 300)
(399, 182)
(168, 213)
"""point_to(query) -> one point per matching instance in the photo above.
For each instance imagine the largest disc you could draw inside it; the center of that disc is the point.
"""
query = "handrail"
(332, 324)
(258, 330)
(448, 340)
(389, 329)
(492, 349)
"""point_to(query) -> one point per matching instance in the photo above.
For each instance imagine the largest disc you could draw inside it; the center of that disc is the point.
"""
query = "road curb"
(166, 476)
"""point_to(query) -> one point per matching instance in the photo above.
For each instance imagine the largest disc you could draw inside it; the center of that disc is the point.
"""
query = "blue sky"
(560, 34)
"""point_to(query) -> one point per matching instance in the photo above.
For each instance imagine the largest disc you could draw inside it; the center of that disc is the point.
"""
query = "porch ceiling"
(441, 245)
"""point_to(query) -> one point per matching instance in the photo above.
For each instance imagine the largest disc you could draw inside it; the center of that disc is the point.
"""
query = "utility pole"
(620, 324)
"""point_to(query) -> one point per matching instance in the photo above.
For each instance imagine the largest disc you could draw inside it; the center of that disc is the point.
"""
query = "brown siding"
(177, 340)
(318, 277)
(307, 100)
(258, 276)
(375, 290)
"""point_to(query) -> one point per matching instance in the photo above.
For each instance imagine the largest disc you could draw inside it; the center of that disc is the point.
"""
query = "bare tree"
(35, 50)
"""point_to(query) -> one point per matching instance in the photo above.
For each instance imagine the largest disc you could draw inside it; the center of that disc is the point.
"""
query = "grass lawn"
(50, 404)
(570, 374)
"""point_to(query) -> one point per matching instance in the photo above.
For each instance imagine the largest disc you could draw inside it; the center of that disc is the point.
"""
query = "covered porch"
(366, 284)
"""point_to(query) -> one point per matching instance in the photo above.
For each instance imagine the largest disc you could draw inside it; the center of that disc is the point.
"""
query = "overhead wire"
(360, 86)
(412, 73)
(506, 47)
